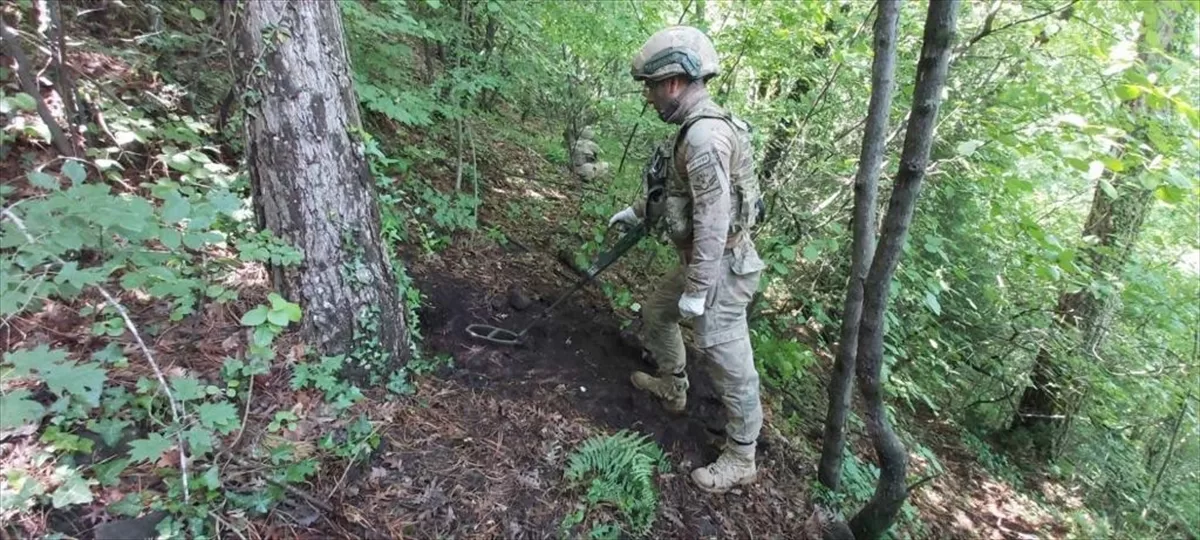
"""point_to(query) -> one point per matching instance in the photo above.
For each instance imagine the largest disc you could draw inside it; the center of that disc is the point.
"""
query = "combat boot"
(671, 389)
(734, 467)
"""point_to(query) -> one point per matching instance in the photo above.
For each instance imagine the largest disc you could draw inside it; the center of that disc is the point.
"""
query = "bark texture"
(1084, 318)
(880, 512)
(311, 183)
(866, 188)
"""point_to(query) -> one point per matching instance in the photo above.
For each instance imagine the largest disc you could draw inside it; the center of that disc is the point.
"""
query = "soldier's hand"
(626, 216)
(692, 304)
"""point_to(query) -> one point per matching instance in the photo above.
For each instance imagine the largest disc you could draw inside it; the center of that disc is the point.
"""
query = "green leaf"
(24, 101)
(278, 317)
(1128, 92)
(199, 439)
(170, 238)
(197, 13)
(811, 252)
(86, 381)
(175, 208)
(74, 490)
(109, 472)
(969, 147)
(293, 312)
(130, 505)
(1108, 188)
(43, 180)
(26, 361)
(187, 388)
(1113, 164)
(931, 301)
(1169, 194)
(149, 449)
(75, 171)
(221, 416)
(110, 430)
(180, 162)
(255, 316)
(16, 409)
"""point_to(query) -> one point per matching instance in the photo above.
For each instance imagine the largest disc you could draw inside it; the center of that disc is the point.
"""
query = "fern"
(619, 470)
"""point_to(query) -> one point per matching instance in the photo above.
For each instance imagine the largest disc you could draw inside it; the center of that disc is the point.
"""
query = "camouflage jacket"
(711, 191)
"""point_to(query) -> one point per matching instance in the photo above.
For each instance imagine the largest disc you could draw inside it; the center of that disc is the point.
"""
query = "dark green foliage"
(618, 470)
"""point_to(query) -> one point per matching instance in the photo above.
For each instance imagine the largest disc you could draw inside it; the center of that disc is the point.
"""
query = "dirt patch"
(486, 457)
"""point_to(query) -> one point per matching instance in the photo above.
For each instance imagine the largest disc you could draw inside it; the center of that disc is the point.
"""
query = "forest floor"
(479, 450)
(484, 456)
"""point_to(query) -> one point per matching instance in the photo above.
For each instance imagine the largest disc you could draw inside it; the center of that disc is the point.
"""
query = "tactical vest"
(744, 199)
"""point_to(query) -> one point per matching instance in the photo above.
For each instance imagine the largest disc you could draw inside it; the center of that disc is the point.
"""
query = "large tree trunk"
(866, 183)
(311, 183)
(879, 513)
(1116, 223)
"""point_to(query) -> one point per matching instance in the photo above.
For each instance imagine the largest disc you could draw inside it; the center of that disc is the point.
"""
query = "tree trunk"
(29, 84)
(866, 183)
(879, 513)
(311, 184)
(1116, 223)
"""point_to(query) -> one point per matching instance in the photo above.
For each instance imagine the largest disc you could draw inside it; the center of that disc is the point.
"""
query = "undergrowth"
(618, 472)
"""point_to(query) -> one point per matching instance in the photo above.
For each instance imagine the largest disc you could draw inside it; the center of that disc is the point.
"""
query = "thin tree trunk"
(866, 183)
(1081, 316)
(29, 85)
(312, 187)
(880, 512)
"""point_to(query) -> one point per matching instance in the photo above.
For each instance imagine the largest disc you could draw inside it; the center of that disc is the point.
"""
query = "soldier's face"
(661, 94)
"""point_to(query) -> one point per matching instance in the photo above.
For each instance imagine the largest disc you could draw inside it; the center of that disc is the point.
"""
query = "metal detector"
(504, 336)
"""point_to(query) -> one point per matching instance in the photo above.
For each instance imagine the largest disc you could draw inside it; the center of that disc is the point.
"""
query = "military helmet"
(676, 50)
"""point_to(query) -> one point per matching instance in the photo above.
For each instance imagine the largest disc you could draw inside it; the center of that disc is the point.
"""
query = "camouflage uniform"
(709, 212)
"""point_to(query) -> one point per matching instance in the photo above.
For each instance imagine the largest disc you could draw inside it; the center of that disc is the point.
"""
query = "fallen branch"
(177, 411)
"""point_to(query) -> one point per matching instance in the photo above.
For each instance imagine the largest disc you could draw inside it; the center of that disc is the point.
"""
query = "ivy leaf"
(149, 449)
(16, 409)
(43, 180)
(109, 430)
(220, 416)
(74, 490)
(255, 316)
(75, 171)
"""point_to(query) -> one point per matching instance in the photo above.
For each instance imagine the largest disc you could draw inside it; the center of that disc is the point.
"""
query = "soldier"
(585, 156)
(711, 205)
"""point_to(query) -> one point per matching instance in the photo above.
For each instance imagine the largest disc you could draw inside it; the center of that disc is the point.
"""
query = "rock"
(131, 529)
(518, 299)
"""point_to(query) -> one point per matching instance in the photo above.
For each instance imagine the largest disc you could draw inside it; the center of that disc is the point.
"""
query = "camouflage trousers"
(721, 334)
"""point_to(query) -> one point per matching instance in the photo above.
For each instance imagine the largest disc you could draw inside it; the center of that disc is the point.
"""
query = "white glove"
(692, 304)
(625, 216)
